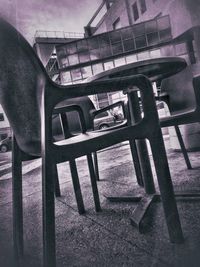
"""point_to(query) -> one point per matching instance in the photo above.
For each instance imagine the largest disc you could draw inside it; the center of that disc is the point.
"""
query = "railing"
(58, 34)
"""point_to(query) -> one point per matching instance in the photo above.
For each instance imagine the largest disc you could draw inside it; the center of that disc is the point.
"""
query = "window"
(135, 11)
(1, 117)
(143, 7)
(117, 24)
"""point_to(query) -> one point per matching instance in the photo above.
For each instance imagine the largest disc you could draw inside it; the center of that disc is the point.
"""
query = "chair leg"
(77, 188)
(136, 162)
(183, 149)
(166, 188)
(17, 202)
(48, 209)
(93, 183)
(96, 166)
(56, 181)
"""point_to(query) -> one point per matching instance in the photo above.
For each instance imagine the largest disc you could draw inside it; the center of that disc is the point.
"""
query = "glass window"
(84, 57)
(65, 77)
(73, 59)
(143, 7)
(131, 58)
(135, 11)
(126, 33)
(140, 41)
(94, 54)
(117, 24)
(163, 23)
(139, 29)
(76, 74)
(165, 35)
(108, 65)
(93, 43)
(1, 117)
(104, 40)
(82, 45)
(155, 53)
(152, 38)
(115, 36)
(97, 68)
(143, 55)
(86, 72)
(151, 26)
(71, 48)
(117, 48)
(61, 52)
(63, 62)
(129, 45)
(119, 61)
(105, 51)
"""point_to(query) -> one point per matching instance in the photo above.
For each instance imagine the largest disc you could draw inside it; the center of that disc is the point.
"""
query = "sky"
(59, 15)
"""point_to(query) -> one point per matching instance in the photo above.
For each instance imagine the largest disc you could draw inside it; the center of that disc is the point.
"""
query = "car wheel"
(103, 126)
(3, 148)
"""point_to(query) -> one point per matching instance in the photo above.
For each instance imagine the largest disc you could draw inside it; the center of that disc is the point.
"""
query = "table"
(155, 69)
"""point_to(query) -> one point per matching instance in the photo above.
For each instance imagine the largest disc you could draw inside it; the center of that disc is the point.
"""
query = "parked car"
(6, 144)
(105, 120)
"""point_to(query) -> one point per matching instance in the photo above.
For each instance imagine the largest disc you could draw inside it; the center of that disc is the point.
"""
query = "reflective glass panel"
(76, 74)
(63, 62)
(140, 41)
(105, 51)
(165, 35)
(152, 38)
(71, 48)
(155, 53)
(131, 58)
(115, 36)
(97, 68)
(94, 54)
(117, 48)
(86, 72)
(126, 33)
(120, 61)
(73, 59)
(82, 45)
(129, 45)
(84, 57)
(93, 43)
(139, 29)
(143, 55)
(65, 77)
(108, 65)
(104, 40)
(151, 26)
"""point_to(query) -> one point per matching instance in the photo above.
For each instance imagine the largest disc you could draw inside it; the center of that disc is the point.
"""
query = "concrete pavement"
(105, 238)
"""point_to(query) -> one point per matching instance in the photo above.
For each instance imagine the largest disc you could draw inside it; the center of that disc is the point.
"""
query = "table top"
(155, 69)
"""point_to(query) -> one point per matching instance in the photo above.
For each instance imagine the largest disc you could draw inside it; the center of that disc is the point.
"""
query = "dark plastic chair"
(89, 113)
(29, 97)
(181, 92)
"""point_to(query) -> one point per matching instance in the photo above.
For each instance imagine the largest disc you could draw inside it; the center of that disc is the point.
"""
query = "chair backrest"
(180, 89)
(73, 119)
(21, 77)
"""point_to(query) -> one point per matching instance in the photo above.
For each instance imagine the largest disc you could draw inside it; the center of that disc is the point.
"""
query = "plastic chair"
(28, 97)
(181, 93)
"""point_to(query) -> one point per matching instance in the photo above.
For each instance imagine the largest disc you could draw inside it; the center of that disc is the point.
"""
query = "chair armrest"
(70, 108)
(119, 103)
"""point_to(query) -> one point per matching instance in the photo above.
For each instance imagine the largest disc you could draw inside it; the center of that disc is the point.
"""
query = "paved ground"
(106, 238)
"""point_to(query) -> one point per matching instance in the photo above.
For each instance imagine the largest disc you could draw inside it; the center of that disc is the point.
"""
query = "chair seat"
(185, 117)
(93, 141)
